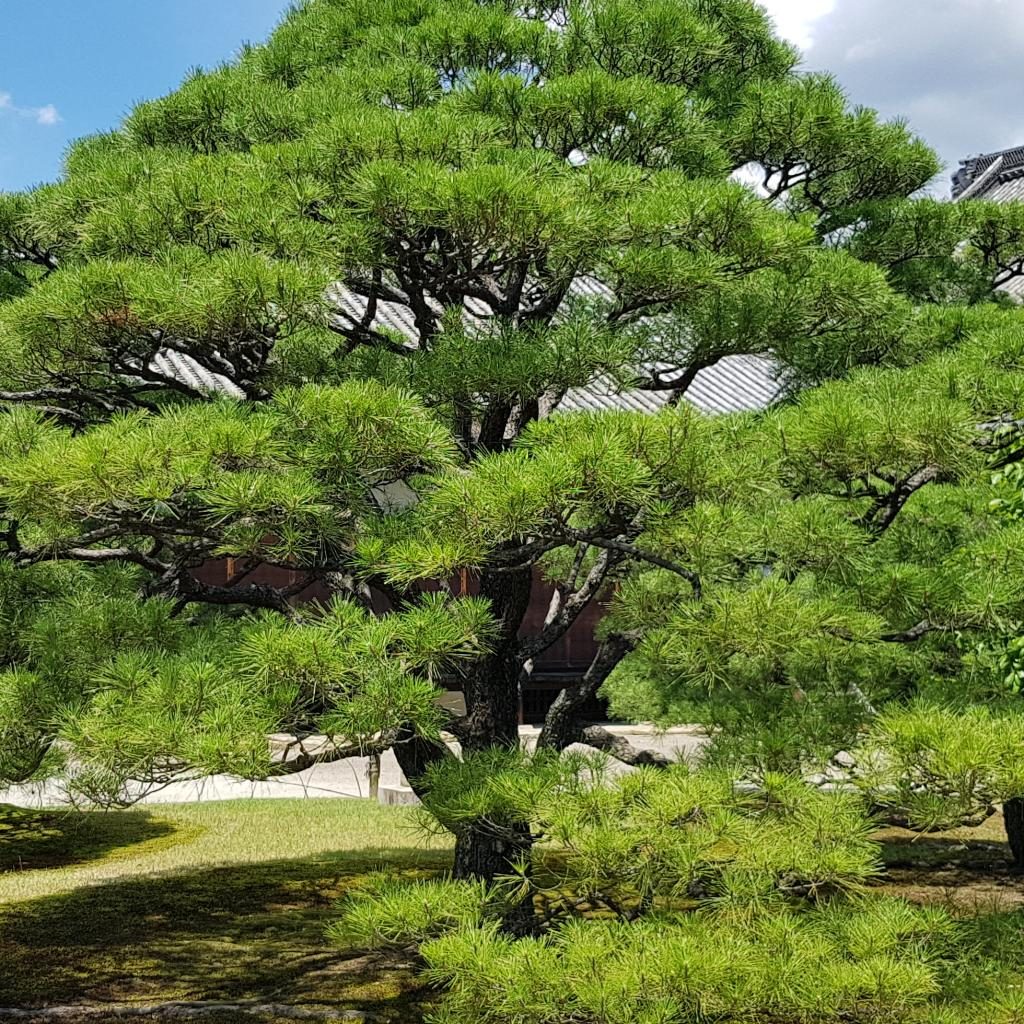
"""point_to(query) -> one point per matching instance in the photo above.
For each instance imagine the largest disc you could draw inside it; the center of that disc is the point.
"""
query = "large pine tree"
(399, 235)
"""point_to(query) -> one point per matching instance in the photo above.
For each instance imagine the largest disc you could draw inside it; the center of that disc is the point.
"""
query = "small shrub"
(869, 961)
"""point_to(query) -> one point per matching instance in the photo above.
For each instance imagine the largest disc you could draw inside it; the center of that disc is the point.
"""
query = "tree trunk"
(1013, 818)
(487, 851)
(486, 855)
(415, 754)
(492, 688)
(562, 726)
(481, 853)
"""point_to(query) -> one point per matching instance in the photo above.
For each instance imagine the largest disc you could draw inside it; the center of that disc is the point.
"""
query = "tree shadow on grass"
(966, 874)
(33, 839)
(252, 931)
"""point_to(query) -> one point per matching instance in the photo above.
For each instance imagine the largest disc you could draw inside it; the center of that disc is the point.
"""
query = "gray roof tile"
(734, 384)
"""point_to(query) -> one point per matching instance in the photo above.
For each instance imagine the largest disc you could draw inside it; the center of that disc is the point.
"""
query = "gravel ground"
(341, 779)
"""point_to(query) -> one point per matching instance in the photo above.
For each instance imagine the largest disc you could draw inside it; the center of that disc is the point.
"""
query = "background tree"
(399, 234)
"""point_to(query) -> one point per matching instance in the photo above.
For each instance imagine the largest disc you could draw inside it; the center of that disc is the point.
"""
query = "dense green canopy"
(397, 235)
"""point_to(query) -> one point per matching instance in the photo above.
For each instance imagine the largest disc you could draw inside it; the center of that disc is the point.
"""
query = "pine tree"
(543, 198)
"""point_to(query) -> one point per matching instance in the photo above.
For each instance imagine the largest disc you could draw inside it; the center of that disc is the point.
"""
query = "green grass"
(217, 901)
(229, 901)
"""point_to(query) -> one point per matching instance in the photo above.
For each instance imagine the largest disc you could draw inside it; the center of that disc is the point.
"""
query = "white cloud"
(47, 114)
(951, 67)
(794, 19)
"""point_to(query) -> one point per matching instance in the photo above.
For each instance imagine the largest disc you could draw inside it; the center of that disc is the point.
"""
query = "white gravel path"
(341, 779)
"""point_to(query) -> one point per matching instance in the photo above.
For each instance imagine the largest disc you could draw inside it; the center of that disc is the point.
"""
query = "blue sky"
(73, 67)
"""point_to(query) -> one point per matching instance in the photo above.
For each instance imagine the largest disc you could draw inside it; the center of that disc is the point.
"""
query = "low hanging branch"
(189, 590)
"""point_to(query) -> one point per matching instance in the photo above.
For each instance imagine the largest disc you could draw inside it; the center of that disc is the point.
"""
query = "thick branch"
(912, 635)
(49, 395)
(889, 506)
(616, 544)
(416, 754)
(79, 549)
(293, 754)
(566, 606)
(188, 590)
(100, 555)
(561, 725)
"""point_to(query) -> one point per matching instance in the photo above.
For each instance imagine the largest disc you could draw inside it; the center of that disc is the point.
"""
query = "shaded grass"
(230, 903)
(967, 871)
(30, 840)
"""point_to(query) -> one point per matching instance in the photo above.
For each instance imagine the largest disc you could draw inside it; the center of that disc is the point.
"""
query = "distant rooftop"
(997, 176)
(734, 384)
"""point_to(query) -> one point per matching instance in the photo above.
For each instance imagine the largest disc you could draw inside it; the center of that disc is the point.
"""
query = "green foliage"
(655, 837)
(936, 766)
(801, 132)
(673, 897)
(862, 963)
(535, 201)
(400, 234)
(286, 481)
(385, 913)
(112, 313)
(153, 711)
(61, 624)
(526, 148)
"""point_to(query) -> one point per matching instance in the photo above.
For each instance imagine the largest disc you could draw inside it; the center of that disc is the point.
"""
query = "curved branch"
(912, 635)
(297, 753)
(561, 725)
(886, 508)
(566, 606)
(614, 544)
(101, 555)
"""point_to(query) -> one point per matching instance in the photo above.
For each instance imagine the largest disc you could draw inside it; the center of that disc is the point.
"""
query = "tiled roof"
(188, 371)
(997, 178)
(994, 176)
(1004, 189)
(734, 384)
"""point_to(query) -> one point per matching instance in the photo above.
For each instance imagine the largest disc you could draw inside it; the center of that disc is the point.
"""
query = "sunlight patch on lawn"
(197, 836)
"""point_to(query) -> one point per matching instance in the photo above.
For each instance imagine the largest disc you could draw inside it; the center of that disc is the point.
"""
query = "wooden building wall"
(562, 663)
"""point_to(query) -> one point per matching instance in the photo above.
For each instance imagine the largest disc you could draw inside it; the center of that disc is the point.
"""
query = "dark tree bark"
(492, 688)
(1013, 818)
(562, 725)
(487, 854)
(415, 755)
(490, 850)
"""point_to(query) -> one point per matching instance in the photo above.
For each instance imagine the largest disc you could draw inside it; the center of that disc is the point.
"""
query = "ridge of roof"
(977, 173)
